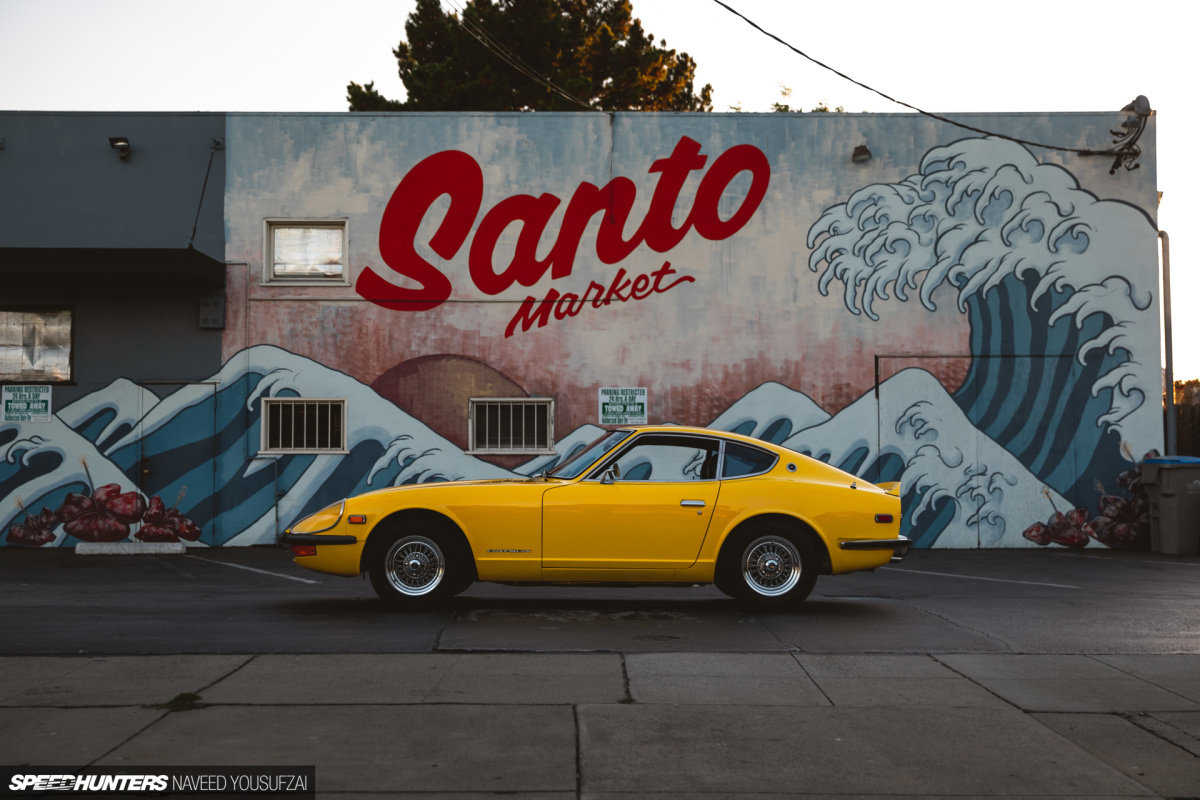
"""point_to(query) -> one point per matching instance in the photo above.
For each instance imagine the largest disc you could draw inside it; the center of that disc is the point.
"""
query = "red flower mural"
(1069, 529)
(105, 516)
(164, 524)
(1121, 522)
(35, 531)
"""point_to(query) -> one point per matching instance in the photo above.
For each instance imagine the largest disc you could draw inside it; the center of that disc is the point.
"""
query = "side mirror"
(610, 475)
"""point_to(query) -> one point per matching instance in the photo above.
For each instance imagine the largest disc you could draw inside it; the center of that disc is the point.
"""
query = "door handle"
(692, 503)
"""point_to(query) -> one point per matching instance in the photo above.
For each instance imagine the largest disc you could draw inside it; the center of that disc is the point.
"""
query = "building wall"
(107, 238)
(63, 186)
(973, 317)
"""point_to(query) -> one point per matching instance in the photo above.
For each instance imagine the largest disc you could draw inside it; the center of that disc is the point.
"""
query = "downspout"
(1172, 438)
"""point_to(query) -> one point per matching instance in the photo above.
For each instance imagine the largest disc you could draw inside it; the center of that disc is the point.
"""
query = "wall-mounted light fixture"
(120, 144)
(861, 154)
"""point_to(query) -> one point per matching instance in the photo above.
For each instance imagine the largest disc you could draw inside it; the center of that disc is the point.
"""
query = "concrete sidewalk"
(607, 724)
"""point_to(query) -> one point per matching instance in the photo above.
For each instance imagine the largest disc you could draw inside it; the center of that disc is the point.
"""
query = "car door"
(653, 516)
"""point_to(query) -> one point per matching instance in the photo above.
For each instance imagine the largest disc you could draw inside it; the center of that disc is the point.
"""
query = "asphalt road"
(1033, 674)
(255, 600)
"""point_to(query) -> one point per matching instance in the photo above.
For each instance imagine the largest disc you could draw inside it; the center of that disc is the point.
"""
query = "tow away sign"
(26, 404)
(623, 406)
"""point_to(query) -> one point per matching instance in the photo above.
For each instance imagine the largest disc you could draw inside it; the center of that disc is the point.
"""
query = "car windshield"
(574, 466)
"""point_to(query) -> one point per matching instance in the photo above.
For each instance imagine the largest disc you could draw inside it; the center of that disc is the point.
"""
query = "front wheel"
(418, 568)
(767, 564)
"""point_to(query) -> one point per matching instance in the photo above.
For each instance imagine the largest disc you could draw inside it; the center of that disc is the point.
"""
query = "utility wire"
(760, 29)
(478, 32)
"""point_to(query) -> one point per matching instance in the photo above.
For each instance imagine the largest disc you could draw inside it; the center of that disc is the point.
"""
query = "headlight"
(323, 520)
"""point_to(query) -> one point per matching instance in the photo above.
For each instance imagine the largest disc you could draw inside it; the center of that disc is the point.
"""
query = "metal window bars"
(511, 425)
(304, 425)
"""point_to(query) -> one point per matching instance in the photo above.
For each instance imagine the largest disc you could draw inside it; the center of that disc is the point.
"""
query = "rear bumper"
(289, 539)
(899, 546)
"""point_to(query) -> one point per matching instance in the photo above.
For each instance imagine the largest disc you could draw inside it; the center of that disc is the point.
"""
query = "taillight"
(304, 550)
(884, 518)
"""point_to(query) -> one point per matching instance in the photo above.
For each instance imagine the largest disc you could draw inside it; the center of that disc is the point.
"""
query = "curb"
(129, 548)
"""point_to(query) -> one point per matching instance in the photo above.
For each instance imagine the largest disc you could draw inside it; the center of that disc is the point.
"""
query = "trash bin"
(1173, 489)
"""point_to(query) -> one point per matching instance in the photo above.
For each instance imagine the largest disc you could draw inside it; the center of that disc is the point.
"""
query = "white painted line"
(252, 569)
(1118, 560)
(976, 578)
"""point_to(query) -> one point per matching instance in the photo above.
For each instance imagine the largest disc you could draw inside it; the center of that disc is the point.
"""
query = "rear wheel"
(419, 567)
(767, 563)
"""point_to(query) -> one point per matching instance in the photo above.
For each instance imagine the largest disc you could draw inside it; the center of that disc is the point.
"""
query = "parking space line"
(253, 569)
(1163, 563)
(977, 578)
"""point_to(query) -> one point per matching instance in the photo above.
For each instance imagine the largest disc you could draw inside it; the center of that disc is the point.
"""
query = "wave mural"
(1060, 358)
(1058, 393)
(960, 485)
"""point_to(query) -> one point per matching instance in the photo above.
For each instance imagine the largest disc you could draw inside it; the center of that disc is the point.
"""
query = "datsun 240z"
(643, 506)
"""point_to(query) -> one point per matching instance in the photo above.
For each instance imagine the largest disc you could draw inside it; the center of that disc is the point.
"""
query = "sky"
(943, 56)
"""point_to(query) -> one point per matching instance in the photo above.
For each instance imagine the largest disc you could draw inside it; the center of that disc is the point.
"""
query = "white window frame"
(264, 420)
(271, 224)
(476, 403)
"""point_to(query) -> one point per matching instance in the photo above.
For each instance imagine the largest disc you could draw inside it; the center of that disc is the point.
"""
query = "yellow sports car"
(645, 505)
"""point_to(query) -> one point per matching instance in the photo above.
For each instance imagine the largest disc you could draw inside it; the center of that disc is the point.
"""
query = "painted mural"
(964, 316)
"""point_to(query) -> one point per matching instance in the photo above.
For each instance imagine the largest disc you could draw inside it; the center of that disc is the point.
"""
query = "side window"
(664, 458)
(742, 460)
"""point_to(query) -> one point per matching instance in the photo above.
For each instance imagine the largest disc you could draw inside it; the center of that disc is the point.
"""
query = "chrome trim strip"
(900, 543)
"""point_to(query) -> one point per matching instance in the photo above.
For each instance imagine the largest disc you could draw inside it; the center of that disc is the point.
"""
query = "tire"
(767, 564)
(419, 567)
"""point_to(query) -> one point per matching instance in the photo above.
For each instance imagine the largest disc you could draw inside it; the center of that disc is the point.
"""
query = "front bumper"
(899, 546)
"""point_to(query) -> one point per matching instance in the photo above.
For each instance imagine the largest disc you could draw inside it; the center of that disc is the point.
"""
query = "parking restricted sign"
(624, 406)
(26, 403)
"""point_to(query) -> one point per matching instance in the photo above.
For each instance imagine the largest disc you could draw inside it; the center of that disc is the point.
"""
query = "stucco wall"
(974, 317)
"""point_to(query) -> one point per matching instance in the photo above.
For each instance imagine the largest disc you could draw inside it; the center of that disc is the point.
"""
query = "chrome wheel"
(771, 566)
(414, 566)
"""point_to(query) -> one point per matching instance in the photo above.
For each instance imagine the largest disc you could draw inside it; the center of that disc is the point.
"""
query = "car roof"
(737, 437)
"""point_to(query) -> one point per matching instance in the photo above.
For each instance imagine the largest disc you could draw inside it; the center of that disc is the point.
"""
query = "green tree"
(783, 108)
(495, 56)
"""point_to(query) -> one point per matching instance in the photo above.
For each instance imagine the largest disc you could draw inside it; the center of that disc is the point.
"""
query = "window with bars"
(512, 426)
(303, 425)
(306, 251)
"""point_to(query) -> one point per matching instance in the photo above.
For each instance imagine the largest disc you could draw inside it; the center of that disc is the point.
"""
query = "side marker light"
(357, 519)
(885, 518)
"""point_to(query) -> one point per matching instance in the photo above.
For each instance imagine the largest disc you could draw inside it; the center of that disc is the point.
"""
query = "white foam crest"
(768, 404)
(125, 399)
(979, 211)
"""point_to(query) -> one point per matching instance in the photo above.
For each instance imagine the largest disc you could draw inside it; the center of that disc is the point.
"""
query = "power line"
(477, 32)
(1126, 151)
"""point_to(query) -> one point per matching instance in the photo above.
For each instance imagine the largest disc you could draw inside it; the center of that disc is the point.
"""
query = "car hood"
(442, 485)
